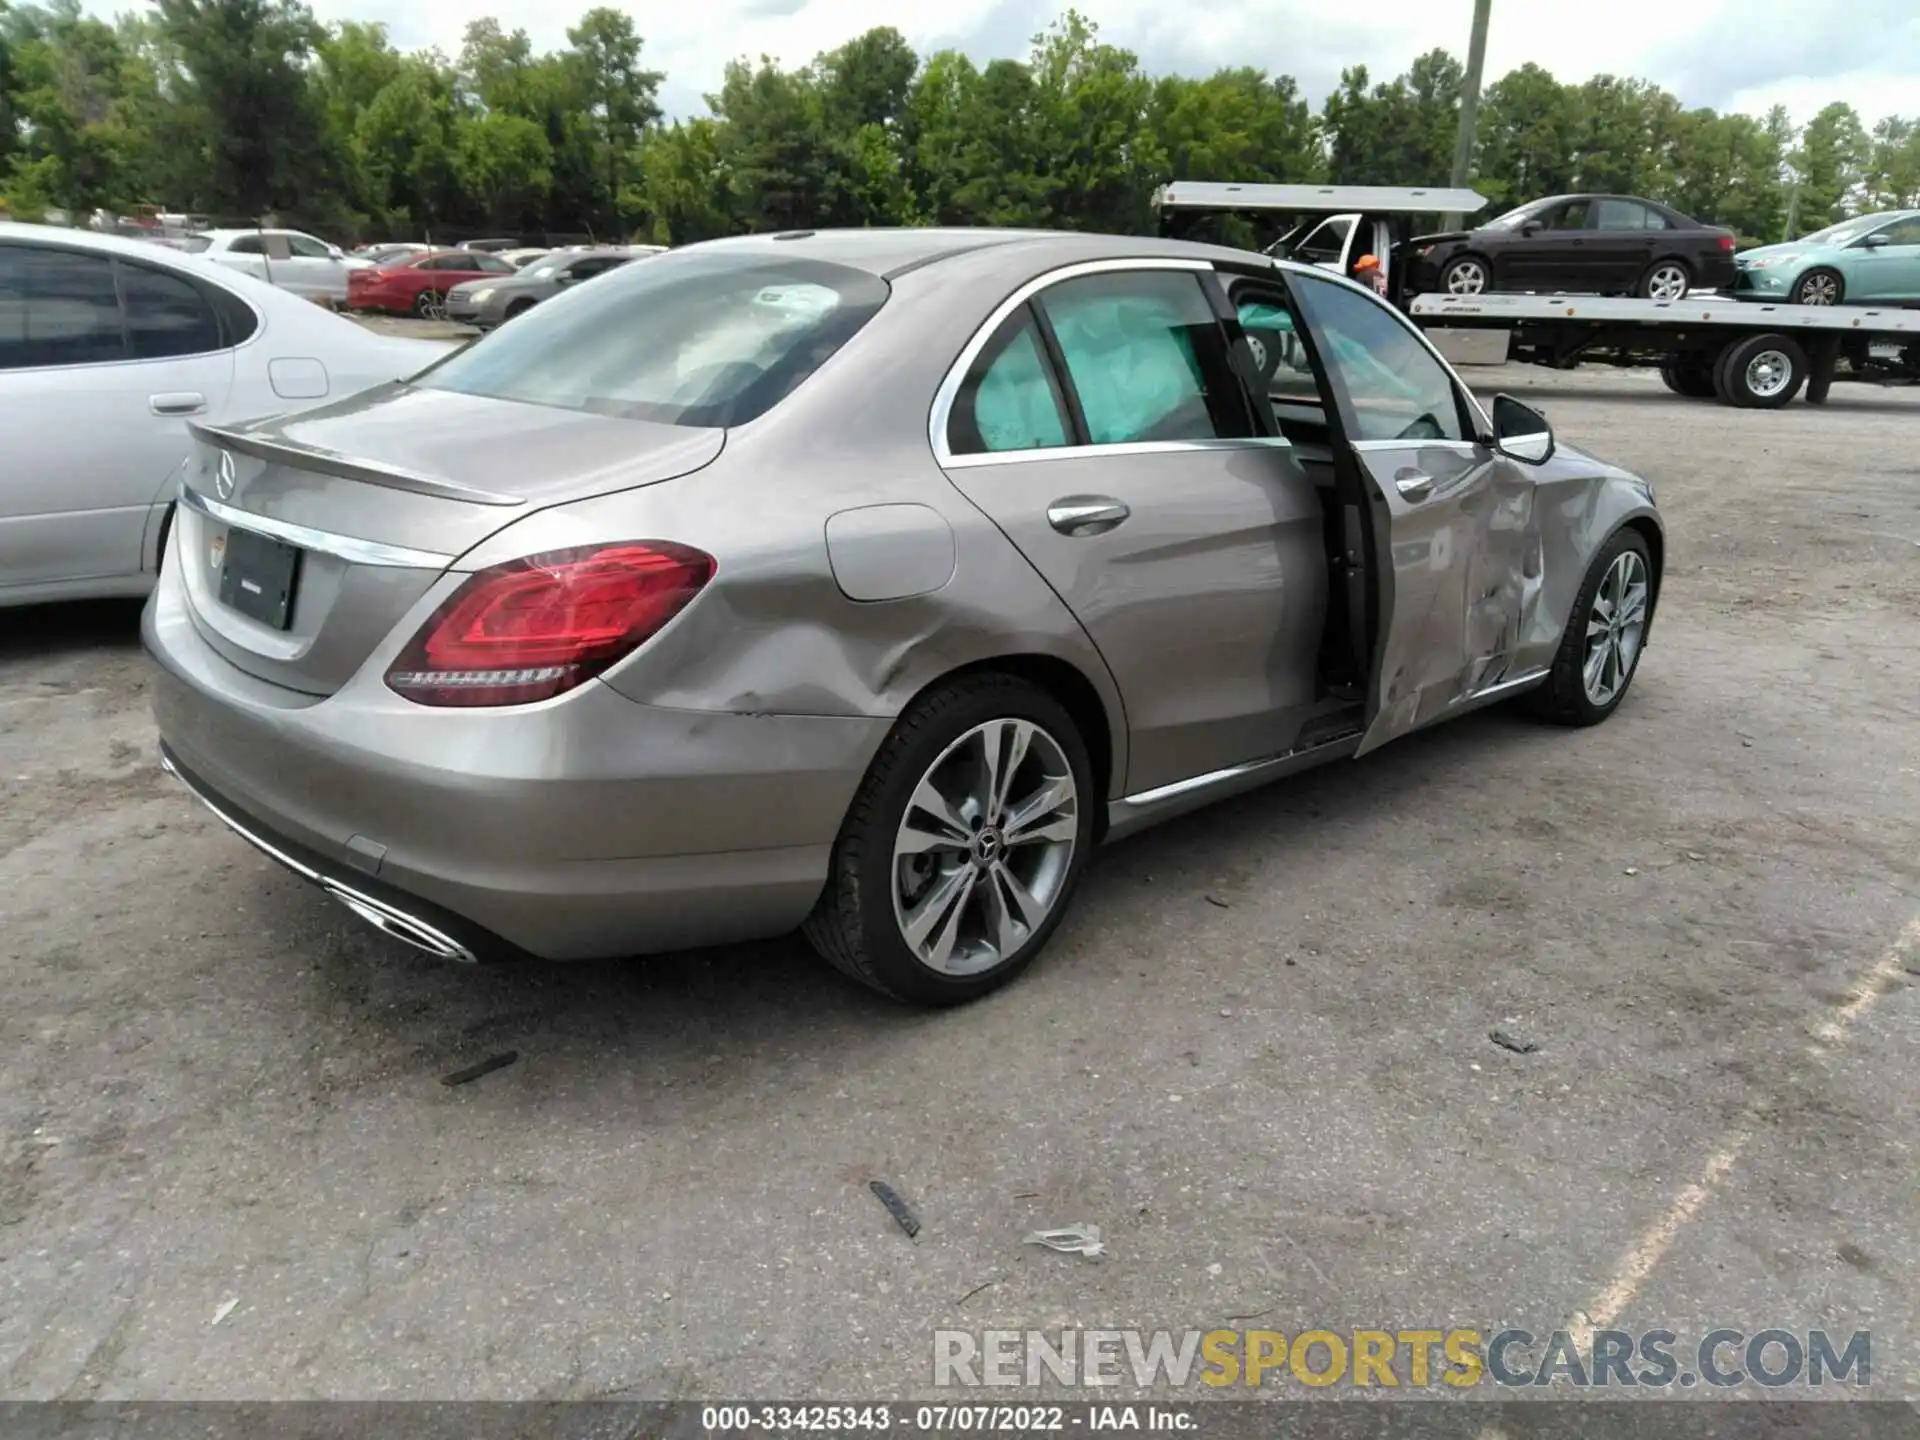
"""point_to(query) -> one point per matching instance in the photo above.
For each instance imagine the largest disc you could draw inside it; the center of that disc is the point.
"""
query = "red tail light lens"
(535, 628)
(1727, 243)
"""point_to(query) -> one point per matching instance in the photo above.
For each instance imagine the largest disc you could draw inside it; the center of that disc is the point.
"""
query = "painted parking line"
(1653, 1243)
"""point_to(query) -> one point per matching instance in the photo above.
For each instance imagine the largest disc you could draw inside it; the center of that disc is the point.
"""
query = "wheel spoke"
(1028, 909)
(1634, 609)
(1596, 669)
(933, 924)
(1040, 817)
(1004, 928)
(949, 831)
(1008, 741)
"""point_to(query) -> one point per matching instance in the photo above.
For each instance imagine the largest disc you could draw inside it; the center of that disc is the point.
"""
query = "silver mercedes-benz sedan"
(863, 582)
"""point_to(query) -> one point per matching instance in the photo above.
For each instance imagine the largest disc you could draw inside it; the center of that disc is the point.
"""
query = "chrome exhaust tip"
(407, 929)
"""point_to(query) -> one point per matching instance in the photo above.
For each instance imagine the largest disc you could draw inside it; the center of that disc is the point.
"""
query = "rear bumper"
(587, 827)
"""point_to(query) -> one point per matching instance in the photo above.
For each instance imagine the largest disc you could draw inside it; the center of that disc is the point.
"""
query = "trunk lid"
(368, 501)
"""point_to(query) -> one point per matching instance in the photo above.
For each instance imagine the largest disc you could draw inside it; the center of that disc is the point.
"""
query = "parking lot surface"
(1257, 1054)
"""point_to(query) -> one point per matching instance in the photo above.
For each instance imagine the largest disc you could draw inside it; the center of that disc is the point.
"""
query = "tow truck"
(1706, 345)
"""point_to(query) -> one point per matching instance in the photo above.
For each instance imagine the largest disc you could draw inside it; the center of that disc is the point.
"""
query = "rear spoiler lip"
(331, 462)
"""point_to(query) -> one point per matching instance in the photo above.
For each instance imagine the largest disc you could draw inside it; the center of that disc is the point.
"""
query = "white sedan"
(108, 347)
(291, 259)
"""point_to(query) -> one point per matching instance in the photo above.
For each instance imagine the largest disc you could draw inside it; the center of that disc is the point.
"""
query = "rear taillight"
(535, 628)
(1727, 243)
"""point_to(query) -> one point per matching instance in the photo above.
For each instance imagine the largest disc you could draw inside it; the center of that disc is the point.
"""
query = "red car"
(418, 284)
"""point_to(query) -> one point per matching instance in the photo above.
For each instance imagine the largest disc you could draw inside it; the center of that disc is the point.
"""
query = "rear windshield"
(196, 243)
(700, 339)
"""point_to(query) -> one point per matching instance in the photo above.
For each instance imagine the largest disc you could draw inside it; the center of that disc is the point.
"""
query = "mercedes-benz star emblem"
(223, 478)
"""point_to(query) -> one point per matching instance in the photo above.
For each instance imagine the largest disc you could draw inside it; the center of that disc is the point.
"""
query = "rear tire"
(1665, 280)
(1761, 372)
(1691, 378)
(1006, 866)
(430, 305)
(1570, 695)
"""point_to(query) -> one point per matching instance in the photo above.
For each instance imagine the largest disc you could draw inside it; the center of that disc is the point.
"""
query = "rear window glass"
(695, 339)
(195, 244)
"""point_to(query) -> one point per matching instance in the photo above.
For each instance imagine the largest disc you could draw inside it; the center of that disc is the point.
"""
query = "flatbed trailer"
(1707, 346)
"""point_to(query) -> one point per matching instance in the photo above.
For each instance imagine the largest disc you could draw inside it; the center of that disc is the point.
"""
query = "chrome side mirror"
(1520, 432)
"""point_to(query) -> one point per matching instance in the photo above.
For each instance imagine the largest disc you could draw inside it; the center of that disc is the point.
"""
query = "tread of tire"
(833, 929)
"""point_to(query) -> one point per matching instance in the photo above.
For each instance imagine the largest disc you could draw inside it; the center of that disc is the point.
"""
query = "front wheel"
(1819, 287)
(1600, 650)
(963, 844)
(430, 305)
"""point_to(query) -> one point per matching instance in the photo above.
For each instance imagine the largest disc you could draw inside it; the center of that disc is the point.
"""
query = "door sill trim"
(1163, 802)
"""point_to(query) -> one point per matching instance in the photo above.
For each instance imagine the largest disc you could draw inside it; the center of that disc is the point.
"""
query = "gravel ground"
(1257, 1054)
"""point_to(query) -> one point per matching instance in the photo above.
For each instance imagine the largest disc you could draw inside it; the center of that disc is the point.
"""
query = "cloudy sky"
(1730, 54)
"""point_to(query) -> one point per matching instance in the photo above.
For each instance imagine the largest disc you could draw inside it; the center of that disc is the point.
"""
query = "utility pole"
(1469, 104)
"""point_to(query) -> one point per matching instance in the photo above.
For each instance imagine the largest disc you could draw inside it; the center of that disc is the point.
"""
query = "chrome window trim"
(956, 376)
(342, 547)
(1132, 447)
(1471, 449)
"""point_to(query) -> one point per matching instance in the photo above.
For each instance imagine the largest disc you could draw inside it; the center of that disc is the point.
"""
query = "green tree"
(1827, 166)
(1892, 178)
(620, 95)
(244, 83)
(1526, 137)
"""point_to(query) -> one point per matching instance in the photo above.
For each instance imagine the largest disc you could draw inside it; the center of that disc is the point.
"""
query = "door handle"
(177, 402)
(1086, 515)
(1412, 485)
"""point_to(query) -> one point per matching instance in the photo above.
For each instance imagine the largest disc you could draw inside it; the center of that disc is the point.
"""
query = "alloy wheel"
(431, 305)
(1468, 277)
(1615, 627)
(1819, 290)
(985, 848)
(1667, 282)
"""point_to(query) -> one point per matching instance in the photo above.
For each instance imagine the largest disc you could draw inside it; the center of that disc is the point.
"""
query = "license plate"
(257, 577)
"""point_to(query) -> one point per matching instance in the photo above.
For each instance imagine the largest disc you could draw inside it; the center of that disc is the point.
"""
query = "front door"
(1104, 429)
(1455, 540)
(1552, 257)
(1889, 270)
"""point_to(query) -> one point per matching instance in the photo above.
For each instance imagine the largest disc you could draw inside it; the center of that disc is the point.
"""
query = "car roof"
(101, 244)
(890, 252)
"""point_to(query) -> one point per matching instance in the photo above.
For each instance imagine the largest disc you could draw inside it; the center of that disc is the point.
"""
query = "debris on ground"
(896, 1207)
(1633, 870)
(485, 1067)
(226, 1308)
(1069, 1240)
(1512, 1042)
(1216, 900)
(983, 1285)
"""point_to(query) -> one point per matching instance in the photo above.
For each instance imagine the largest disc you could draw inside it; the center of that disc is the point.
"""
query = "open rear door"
(1448, 522)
